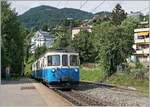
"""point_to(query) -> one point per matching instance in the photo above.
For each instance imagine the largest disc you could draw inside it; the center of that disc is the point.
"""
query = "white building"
(141, 44)
(76, 30)
(41, 38)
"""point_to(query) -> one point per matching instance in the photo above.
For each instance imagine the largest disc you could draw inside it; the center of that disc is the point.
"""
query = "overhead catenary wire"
(64, 16)
(93, 10)
(83, 4)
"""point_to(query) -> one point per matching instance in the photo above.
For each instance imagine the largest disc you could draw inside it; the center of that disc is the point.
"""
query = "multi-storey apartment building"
(41, 38)
(141, 44)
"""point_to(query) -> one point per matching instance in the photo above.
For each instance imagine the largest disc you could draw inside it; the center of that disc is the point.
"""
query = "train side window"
(43, 62)
(74, 60)
(49, 59)
(64, 60)
(54, 60)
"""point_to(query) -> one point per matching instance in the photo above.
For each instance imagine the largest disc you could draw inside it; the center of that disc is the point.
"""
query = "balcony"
(141, 30)
(142, 51)
(145, 40)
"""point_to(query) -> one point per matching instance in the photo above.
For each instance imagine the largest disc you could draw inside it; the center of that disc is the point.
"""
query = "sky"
(89, 5)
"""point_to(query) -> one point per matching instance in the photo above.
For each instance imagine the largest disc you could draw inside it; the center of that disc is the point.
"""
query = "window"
(73, 60)
(140, 37)
(64, 60)
(54, 60)
(43, 63)
(37, 65)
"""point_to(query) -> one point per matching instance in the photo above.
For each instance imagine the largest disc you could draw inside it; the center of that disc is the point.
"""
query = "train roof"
(58, 51)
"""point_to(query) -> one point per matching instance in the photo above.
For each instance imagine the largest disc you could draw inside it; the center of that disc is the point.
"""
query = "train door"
(65, 69)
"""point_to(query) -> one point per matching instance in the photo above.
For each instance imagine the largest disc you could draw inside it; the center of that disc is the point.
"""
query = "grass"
(96, 74)
(91, 74)
(28, 65)
(127, 80)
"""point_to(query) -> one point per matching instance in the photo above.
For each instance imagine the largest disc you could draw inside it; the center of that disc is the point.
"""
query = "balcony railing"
(145, 40)
(143, 51)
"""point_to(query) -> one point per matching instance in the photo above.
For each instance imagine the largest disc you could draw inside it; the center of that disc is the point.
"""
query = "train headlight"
(53, 70)
(76, 70)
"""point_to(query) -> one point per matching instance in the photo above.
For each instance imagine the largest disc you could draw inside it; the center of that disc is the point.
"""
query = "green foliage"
(63, 39)
(104, 14)
(27, 43)
(118, 15)
(112, 46)
(139, 72)
(39, 51)
(114, 43)
(71, 22)
(95, 74)
(44, 27)
(12, 40)
(128, 25)
(139, 65)
(127, 80)
(101, 17)
(84, 44)
(28, 66)
(146, 18)
(77, 23)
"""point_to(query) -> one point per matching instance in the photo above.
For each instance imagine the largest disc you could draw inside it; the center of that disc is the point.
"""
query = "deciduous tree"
(113, 46)
(84, 44)
(12, 39)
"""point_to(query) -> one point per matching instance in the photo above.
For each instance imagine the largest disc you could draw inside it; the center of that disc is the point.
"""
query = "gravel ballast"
(113, 96)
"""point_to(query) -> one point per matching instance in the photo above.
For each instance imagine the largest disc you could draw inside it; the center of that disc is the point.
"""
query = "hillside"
(51, 15)
(104, 13)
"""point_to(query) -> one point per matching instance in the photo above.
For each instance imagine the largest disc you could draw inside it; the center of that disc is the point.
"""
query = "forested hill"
(50, 15)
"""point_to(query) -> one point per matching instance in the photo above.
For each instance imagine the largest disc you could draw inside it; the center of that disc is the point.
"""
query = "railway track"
(79, 99)
(112, 87)
(80, 95)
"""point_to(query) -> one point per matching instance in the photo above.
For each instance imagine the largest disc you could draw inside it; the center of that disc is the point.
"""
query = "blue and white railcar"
(57, 67)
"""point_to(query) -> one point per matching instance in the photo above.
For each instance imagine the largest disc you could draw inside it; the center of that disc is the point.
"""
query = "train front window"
(54, 60)
(64, 60)
(73, 60)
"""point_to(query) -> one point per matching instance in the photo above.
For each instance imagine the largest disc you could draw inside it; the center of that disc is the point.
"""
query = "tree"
(129, 24)
(118, 15)
(12, 40)
(71, 22)
(39, 51)
(27, 43)
(83, 43)
(66, 22)
(44, 27)
(112, 45)
(62, 39)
